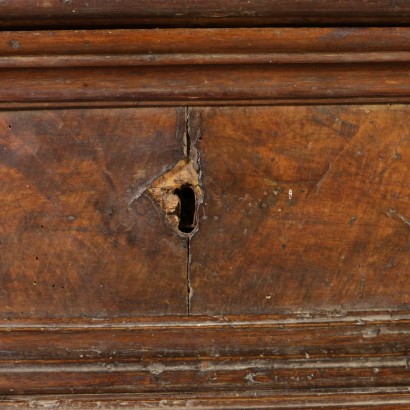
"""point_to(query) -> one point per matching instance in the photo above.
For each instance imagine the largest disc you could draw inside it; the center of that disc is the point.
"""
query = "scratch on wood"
(392, 213)
(253, 366)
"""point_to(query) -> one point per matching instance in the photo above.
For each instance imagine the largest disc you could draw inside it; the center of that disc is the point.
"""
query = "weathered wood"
(306, 208)
(335, 399)
(76, 235)
(304, 227)
(204, 354)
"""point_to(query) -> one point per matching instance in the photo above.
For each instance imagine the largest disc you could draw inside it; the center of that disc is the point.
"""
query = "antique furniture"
(205, 204)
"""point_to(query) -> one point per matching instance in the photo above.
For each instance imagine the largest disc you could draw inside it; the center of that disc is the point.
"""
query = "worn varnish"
(306, 208)
(79, 236)
(206, 354)
(384, 399)
(244, 246)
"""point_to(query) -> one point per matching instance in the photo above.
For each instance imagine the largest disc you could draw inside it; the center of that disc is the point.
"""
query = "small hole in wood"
(186, 209)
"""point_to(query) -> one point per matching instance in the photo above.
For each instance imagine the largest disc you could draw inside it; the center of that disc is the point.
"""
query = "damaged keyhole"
(186, 208)
(179, 194)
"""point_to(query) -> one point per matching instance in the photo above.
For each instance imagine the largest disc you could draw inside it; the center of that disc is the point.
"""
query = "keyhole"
(187, 207)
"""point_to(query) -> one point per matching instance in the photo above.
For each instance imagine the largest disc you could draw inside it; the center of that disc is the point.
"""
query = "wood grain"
(384, 399)
(294, 291)
(194, 43)
(204, 355)
(73, 240)
(181, 67)
(305, 208)
(222, 83)
(154, 13)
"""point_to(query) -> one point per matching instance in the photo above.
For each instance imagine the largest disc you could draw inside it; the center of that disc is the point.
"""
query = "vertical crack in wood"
(178, 194)
(191, 138)
(188, 277)
(187, 144)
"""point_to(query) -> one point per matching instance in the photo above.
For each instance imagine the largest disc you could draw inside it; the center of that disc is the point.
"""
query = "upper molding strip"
(197, 13)
(85, 48)
(204, 66)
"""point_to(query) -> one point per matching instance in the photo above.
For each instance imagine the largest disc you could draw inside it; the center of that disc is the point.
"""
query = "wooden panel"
(97, 13)
(73, 241)
(306, 208)
(304, 229)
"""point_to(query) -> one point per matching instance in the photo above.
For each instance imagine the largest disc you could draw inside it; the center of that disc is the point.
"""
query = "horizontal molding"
(302, 318)
(154, 13)
(198, 59)
(205, 354)
(199, 103)
(182, 66)
(106, 48)
(386, 399)
(206, 83)
(212, 42)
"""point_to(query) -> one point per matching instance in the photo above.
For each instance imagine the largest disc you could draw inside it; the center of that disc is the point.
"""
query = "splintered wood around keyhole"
(178, 194)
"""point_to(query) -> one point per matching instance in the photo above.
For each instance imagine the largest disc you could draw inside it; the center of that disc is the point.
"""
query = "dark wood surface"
(212, 13)
(278, 298)
(73, 241)
(305, 208)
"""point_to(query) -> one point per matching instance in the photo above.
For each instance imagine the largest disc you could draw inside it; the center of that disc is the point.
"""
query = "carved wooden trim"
(180, 67)
(261, 354)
